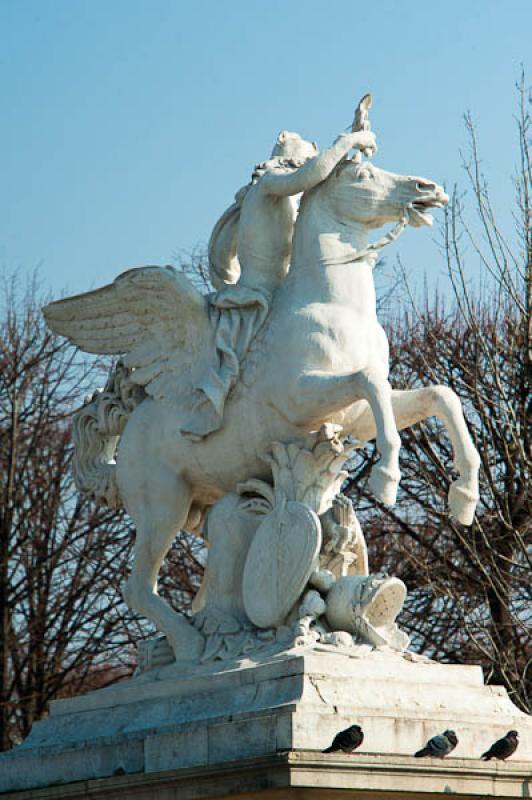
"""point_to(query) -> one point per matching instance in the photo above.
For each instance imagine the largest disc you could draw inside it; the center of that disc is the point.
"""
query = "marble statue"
(249, 256)
(232, 415)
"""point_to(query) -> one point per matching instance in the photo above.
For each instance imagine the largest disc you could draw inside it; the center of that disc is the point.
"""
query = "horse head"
(362, 193)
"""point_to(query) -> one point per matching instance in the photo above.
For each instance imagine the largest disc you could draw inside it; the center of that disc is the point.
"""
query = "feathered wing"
(152, 316)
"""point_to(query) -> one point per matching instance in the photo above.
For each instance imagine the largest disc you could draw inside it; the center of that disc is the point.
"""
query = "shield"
(283, 554)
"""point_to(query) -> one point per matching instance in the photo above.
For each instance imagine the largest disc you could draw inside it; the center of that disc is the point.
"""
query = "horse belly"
(236, 452)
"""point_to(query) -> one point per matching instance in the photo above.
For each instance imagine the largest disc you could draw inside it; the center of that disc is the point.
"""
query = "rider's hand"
(365, 141)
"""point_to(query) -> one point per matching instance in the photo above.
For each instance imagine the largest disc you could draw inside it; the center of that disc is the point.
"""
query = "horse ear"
(315, 146)
(281, 139)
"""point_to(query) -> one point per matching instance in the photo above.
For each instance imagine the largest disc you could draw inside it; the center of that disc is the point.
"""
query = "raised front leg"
(319, 395)
(385, 475)
(410, 407)
(442, 402)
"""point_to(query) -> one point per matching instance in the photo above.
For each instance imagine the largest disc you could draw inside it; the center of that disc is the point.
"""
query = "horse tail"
(97, 428)
(224, 266)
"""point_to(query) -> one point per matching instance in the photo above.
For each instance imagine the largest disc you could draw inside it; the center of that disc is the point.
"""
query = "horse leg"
(385, 474)
(159, 508)
(319, 395)
(410, 407)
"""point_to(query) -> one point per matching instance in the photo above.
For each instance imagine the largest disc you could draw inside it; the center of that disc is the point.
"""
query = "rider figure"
(249, 255)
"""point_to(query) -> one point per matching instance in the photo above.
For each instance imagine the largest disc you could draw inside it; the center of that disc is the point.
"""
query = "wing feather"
(152, 316)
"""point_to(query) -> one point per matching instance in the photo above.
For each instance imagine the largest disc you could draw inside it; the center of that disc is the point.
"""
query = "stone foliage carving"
(216, 398)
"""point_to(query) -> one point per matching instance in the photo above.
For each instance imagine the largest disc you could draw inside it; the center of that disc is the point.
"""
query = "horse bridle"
(385, 240)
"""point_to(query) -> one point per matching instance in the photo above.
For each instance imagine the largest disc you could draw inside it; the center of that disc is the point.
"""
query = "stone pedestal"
(307, 775)
(250, 727)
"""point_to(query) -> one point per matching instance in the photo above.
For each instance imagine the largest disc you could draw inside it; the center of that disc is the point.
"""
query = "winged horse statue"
(320, 356)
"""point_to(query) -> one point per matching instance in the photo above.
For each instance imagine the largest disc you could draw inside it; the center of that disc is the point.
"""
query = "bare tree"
(64, 627)
(470, 592)
(194, 265)
(60, 560)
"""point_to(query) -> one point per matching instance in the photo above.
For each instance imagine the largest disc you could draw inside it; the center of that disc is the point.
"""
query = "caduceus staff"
(361, 121)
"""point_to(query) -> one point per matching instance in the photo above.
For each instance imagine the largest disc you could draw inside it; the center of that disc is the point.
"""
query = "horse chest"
(340, 338)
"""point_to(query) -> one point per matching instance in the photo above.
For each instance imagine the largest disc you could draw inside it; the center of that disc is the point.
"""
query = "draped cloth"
(237, 313)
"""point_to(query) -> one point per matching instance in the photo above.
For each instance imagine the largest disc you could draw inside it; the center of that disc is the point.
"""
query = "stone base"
(307, 775)
(296, 701)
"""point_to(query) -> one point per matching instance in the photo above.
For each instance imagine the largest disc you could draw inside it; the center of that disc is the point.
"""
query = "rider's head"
(290, 152)
(291, 145)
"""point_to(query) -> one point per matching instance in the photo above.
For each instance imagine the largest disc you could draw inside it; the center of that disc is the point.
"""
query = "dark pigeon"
(502, 748)
(347, 740)
(439, 746)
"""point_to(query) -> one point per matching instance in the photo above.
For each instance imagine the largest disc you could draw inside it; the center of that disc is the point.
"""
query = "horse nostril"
(425, 186)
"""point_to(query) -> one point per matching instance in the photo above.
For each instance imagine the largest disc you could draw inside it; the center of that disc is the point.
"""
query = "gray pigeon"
(439, 746)
(502, 748)
(347, 740)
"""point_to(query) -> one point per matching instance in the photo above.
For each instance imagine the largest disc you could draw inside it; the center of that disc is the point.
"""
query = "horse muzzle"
(428, 195)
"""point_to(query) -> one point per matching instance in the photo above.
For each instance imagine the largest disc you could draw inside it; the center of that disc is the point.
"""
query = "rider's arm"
(316, 169)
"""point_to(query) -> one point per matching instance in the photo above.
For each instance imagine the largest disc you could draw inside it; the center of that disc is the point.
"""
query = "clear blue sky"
(127, 125)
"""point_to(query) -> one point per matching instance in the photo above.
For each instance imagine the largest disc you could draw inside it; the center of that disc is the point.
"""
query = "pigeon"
(347, 740)
(439, 746)
(502, 748)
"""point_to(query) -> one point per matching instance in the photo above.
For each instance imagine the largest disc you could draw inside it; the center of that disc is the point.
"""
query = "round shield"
(283, 554)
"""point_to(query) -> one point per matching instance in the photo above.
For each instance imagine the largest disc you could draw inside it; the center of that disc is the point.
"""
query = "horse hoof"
(462, 503)
(383, 484)
(186, 642)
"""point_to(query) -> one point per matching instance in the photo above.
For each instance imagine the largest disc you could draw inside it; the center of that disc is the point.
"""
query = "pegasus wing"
(152, 316)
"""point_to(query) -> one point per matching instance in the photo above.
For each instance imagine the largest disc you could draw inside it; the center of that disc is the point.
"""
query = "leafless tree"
(470, 589)
(64, 627)
(195, 265)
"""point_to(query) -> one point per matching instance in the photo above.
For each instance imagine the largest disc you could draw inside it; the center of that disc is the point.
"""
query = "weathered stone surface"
(307, 775)
(297, 701)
